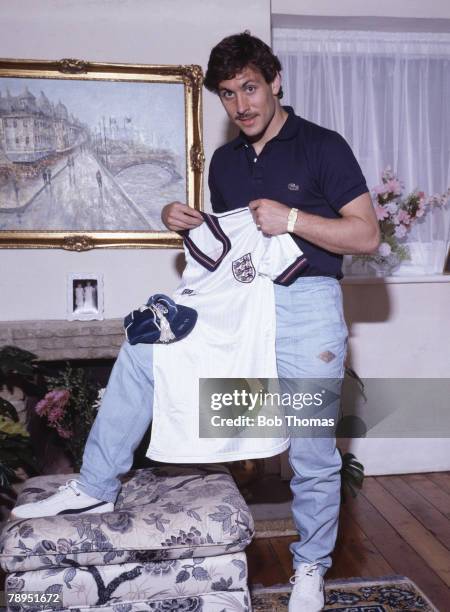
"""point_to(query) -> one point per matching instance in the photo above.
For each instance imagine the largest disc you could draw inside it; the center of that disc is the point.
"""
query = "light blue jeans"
(311, 343)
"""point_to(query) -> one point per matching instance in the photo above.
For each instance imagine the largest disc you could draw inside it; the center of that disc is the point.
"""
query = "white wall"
(32, 282)
(401, 330)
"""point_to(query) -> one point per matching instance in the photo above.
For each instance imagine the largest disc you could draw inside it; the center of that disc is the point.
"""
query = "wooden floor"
(396, 525)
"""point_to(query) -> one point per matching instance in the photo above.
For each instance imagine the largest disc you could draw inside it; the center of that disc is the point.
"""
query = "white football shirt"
(228, 280)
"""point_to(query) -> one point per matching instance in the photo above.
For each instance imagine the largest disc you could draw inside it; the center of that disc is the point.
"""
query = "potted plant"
(18, 369)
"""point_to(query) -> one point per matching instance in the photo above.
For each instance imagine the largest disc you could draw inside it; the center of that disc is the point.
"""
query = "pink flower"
(420, 211)
(394, 186)
(381, 189)
(381, 212)
(56, 399)
(64, 433)
(387, 174)
(42, 407)
(55, 414)
(402, 217)
(439, 199)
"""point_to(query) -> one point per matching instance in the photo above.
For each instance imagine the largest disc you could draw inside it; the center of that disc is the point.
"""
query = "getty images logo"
(250, 401)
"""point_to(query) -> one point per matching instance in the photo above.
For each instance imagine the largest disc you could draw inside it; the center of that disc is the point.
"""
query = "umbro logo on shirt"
(293, 187)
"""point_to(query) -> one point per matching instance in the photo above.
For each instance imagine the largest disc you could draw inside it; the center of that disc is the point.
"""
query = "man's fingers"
(192, 212)
(180, 225)
(253, 205)
(184, 209)
(183, 221)
(188, 217)
(183, 217)
(178, 216)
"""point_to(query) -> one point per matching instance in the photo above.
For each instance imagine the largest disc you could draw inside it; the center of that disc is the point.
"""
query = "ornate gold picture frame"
(91, 152)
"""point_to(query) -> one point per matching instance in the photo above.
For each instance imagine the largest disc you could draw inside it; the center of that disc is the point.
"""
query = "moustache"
(243, 117)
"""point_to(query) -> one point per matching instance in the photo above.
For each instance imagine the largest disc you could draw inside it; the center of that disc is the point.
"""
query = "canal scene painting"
(90, 156)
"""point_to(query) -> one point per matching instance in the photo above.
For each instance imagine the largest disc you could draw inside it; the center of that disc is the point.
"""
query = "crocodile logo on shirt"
(243, 269)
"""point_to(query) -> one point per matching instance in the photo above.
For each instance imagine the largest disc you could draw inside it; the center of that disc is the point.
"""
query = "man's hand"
(271, 217)
(177, 217)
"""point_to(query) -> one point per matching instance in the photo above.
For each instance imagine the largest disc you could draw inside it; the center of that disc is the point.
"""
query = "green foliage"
(15, 451)
(352, 475)
(14, 360)
(80, 411)
(7, 410)
(352, 374)
(7, 476)
(352, 472)
(18, 368)
(13, 427)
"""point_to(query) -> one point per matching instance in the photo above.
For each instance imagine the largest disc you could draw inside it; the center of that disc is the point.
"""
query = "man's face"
(250, 102)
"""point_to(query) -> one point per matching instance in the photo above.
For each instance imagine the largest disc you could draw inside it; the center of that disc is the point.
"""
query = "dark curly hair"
(236, 52)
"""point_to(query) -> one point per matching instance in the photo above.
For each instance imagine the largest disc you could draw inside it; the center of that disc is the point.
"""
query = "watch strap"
(292, 218)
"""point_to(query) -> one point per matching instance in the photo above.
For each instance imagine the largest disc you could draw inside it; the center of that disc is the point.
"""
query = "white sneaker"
(69, 499)
(308, 592)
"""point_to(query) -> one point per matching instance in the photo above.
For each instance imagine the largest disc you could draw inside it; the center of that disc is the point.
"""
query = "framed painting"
(90, 153)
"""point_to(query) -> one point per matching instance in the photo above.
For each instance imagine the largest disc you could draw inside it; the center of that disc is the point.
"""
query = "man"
(277, 164)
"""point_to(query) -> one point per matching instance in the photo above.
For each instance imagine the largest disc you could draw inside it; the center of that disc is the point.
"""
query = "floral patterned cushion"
(238, 601)
(164, 585)
(162, 513)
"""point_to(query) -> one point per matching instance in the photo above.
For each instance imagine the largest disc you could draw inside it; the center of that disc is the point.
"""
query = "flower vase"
(385, 266)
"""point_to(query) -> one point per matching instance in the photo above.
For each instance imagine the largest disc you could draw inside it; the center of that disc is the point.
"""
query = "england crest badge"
(243, 269)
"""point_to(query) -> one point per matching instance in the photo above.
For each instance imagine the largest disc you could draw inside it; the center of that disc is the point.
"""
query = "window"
(387, 93)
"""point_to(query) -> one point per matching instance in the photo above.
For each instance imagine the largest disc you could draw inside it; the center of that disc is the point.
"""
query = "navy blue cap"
(160, 321)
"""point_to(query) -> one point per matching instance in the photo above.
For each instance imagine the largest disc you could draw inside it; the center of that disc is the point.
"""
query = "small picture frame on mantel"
(85, 297)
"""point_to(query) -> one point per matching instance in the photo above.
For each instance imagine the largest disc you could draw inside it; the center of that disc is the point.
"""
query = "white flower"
(391, 207)
(384, 249)
(98, 402)
(400, 231)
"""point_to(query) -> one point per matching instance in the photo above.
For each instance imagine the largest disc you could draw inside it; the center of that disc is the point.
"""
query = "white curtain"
(388, 94)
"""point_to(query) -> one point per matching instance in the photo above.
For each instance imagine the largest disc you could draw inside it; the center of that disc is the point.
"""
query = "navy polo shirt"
(305, 166)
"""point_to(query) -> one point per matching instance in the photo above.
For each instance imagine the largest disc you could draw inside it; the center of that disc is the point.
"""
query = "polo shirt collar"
(288, 131)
